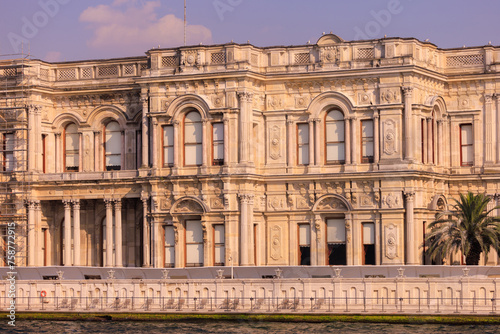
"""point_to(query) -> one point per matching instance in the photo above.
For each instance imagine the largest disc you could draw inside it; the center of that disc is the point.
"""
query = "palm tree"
(468, 228)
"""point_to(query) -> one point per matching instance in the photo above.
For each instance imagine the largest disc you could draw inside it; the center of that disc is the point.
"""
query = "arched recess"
(327, 101)
(438, 104)
(104, 114)
(190, 232)
(66, 118)
(332, 226)
(329, 39)
(438, 203)
(188, 102)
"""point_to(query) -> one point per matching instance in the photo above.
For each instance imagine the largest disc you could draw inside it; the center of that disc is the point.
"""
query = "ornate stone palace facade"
(334, 153)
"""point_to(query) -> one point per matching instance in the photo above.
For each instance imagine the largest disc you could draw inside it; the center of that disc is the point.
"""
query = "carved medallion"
(276, 242)
(275, 143)
(391, 237)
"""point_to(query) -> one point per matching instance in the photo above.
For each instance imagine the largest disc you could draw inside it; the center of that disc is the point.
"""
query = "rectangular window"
(466, 145)
(336, 240)
(369, 243)
(194, 243)
(169, 246)
(304, 244)
(303, 144)
(168, 145)
(220, 249)
(335, 151)
(367, 141)
(218, 144)
(8, 152)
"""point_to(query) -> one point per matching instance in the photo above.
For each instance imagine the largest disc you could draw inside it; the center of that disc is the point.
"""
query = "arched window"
(112, 146)
(71, 148)
(193, 155)
(334, 137)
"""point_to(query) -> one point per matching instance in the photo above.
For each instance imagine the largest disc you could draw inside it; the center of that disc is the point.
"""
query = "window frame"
(462, 163)
(298, 162)
(65, 150)
(326, 142)
(219, 245)
(164, 164)
(112, 167)
(367, 159)
(191, 144)
(7, 163)
(217, 162)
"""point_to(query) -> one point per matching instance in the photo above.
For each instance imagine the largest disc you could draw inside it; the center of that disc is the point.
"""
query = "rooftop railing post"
(312, 298)
(400, 304)
(251, 304)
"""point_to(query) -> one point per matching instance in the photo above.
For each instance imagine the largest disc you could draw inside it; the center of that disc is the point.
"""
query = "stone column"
(38, 234)
(429, 141)
(347, 138)
(109, 232)
(244, 228)
(97, 151)
(31, 234)
(407, 91)
(76, 232)
(290, 141)
(145, 132)
(319, 240)
(251, 241)
(245, 136)
(317, 159)
(123, 162)
(154, 146)
(311, 143)
(67, 232)
(176, 143)
(424, 141)
(376, 139)
(489, 129)
(440, 142)
(118, 233)
(348, 239)
(145, 232)
(204, 142)
(410, 228)
(354, 141)
(80, 151)
(226, 140)
(58, 153)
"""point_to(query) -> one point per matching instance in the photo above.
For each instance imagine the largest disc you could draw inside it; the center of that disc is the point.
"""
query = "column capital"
(407, 91)
(246, 198)
(488, 98)
(289, 122)
(317, 120)
(225, 120)
(76, 203)
(376, 115)
(428, 119)
(409, 195)
(34, 108)
(245, 96)
(108, 202)
(118, 203)
(67, 203)
(57, 134)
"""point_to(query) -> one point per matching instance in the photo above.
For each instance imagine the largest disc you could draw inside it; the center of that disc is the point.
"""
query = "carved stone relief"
(216, 203)
(301, 101)
(275, 142)
(274, 103)
(390, 137)
(275, 203)
(188, 206)
(218, 100)
(331, 204)
(391, 200)
(391, 238)
(276, 242)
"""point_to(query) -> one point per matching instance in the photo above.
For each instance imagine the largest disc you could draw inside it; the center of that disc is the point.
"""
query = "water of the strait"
(239, 327)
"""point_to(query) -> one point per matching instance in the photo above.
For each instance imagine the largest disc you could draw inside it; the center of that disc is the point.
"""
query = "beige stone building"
(334, 153)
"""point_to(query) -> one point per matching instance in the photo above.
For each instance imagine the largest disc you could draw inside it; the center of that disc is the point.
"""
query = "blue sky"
(65, 30)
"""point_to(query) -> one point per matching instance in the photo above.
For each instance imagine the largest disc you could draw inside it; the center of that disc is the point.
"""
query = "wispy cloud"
(128, 26)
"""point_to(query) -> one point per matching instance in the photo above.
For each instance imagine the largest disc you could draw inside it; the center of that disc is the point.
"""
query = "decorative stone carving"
(216, 203)
(275, 203)
(390, 137)
(391, 201)
(331, 203)
(364, 98)
(391, 238)
(276, 242)
(218, 100)
(187, 206)
(463, 103)
(366, 200)
(302, 203)
(441, 206)
(274, 103)
(329, 54)
(275, 142)
(301, 101)
(388, 96)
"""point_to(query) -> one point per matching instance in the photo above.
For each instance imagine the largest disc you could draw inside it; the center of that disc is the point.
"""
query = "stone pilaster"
(145, 131)
(67, 232)
(76, 232)
(118, 233)
(410, 228)
(109, 232)
(245, 137)
(408, 101)
(145, 232)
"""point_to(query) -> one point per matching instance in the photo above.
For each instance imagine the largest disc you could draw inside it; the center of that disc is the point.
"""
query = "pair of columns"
(34, 221)
(117, 232)
(68, 205)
